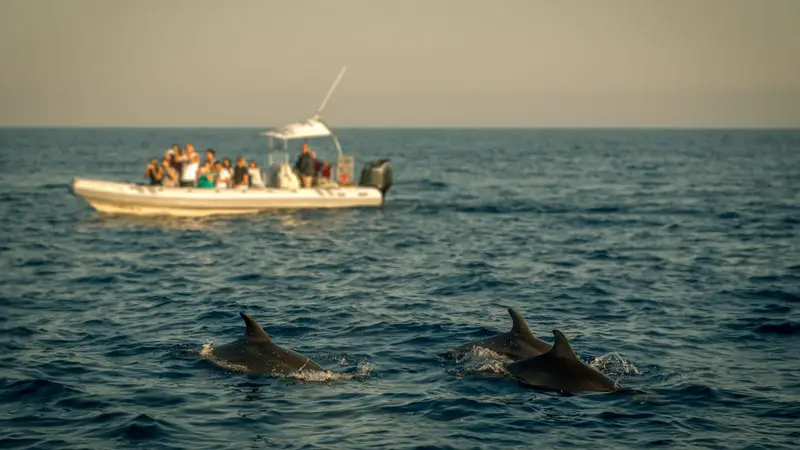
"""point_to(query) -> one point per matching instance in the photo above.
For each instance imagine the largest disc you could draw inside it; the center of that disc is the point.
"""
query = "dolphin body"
(258, 354)
(561, 370)
(516, 344)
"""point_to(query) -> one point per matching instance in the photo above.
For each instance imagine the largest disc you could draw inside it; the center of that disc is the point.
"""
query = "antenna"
(330, 92)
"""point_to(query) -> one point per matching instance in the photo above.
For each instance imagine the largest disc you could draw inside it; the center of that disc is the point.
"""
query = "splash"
(486, 354)
(342, 361)
(324, 376)
(615, 366)
(481, 360)
(477, 353)
(495, 366)
(205, 352)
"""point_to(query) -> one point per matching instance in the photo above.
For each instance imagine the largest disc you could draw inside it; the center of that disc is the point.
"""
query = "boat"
(282, 188)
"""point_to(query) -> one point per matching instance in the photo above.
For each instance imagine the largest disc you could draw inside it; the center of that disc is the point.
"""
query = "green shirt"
(206, 180)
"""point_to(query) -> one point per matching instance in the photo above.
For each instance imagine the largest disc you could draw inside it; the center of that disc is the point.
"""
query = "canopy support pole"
(330, 91)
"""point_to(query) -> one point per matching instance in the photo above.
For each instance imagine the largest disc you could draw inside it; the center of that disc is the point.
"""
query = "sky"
(410, 63)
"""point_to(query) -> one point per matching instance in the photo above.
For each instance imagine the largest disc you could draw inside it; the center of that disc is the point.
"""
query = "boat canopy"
(310, 128)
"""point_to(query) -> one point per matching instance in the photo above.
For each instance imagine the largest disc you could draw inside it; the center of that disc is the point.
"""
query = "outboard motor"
(377, 174)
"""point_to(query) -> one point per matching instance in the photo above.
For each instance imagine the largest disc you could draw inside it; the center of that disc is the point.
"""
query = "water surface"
(670, 259)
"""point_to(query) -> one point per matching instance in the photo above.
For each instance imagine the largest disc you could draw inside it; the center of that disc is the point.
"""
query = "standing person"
(303, 153)
(190, 166)
(207, 176)
(256, 180)
(172, 151)
(170, 178)
(305, 166)
(317, 163)
(154, 172)
(226, 163)
(211, 157)
(241, 175)
(223, 175)
(175, 155)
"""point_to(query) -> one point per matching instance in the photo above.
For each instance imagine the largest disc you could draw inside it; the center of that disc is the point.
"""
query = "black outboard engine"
(377, 174)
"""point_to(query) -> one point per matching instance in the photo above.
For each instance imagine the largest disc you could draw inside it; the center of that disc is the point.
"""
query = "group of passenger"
(183, 168)
(309, 167)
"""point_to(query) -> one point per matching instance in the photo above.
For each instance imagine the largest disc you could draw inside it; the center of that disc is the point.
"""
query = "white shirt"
(255, 177)
(190, 169)
(223, 178)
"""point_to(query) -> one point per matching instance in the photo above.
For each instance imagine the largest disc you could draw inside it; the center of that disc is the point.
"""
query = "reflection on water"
(96, 220)
(299, 222)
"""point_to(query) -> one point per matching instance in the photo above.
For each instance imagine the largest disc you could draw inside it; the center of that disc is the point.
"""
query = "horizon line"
(425, 127)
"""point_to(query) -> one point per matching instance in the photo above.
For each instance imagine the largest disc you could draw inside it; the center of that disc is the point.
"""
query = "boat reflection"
(295, 222)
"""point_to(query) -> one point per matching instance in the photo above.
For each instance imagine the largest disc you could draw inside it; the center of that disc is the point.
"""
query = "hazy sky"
(410, 62)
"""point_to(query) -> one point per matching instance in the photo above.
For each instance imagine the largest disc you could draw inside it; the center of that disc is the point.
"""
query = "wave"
(774, 294)
(139, 429)
(37, 390)
(783, 328)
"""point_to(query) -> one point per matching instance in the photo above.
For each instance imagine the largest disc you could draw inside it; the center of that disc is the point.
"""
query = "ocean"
(669, 258)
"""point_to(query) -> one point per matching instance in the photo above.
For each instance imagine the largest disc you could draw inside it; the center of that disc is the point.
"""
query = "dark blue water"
(671, 259)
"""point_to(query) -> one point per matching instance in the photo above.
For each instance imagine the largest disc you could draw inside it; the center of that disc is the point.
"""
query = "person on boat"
(207, 176)
(326, 170)
(190, 166)
(254, 172)
(154, 172)
(223, 175)
(317, 163)
(228, 165)
(305, 166)
(211, 157)
(303, 154)
(175, 156)
(241, 174)
(170, 178)
(172, 151)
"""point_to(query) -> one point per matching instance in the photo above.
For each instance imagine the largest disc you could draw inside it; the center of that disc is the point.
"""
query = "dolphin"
(516, 344)
(258, 354)
(560, 369)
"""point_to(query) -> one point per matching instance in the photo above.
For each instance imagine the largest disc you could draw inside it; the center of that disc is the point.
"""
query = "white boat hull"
(127, 198)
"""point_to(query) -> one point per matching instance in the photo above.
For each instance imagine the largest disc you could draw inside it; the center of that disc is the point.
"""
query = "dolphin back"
(560, 369)
(515, 344)
(257, 353)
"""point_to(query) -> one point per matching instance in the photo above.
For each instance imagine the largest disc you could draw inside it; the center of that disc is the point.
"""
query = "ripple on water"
(140, 429)
(35, 391)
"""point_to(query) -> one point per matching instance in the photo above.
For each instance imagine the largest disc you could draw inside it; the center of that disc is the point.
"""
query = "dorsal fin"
(561, 347)
(520, 326)
(254, 332)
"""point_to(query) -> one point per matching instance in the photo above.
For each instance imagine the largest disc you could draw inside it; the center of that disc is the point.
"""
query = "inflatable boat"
(282, 188)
